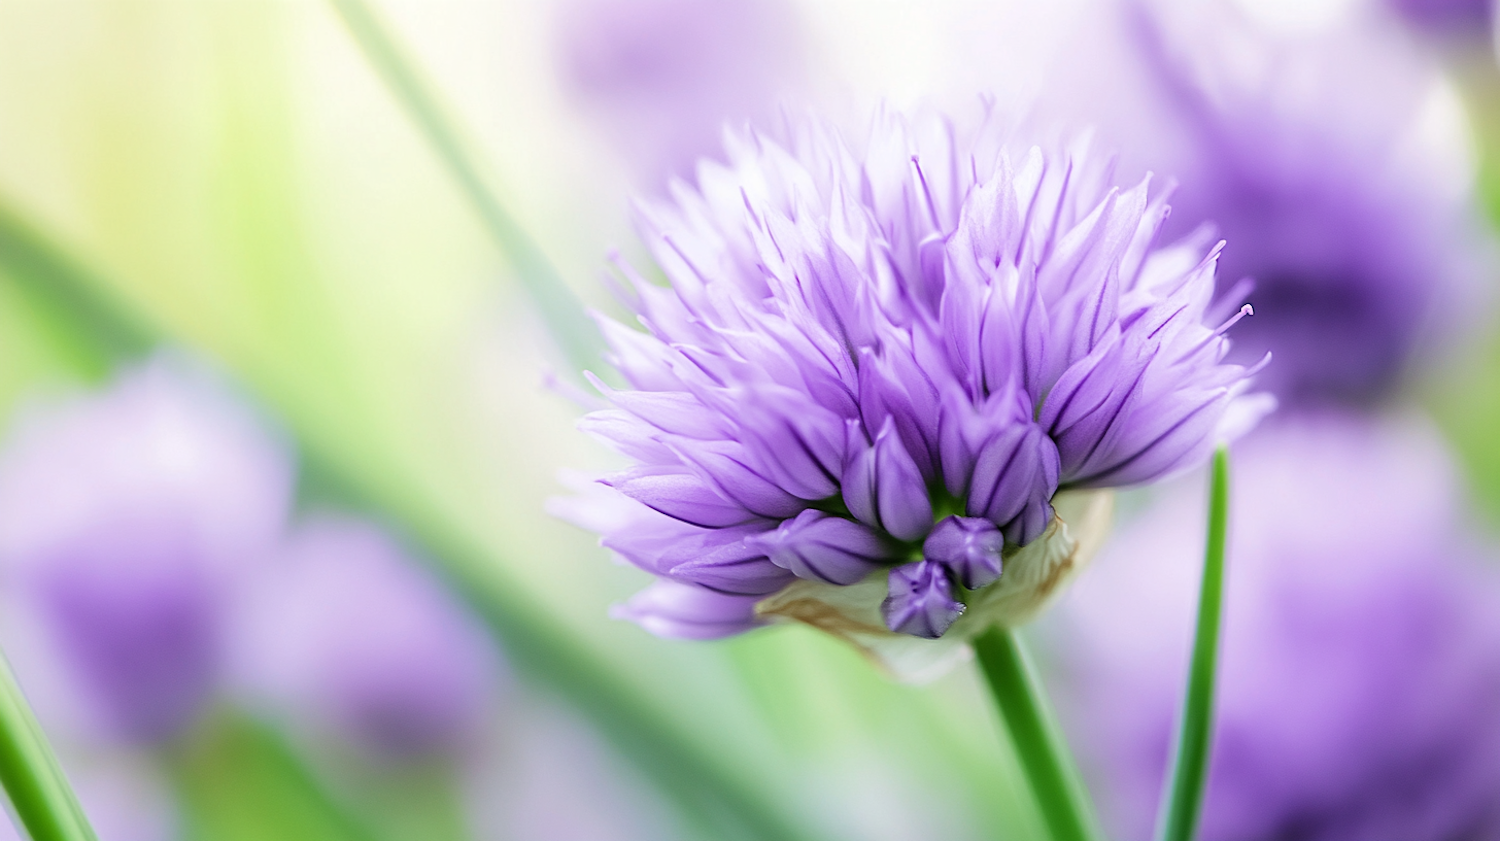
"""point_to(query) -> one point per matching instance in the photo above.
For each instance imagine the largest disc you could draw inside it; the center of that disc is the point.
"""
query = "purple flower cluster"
(1359, 677)
(129, 519)
(882, 364)
(146, 529)
(1328, 164)
(349, 633)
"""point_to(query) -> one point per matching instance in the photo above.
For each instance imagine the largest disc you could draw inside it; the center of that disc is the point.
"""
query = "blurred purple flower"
(350, 632)
(127, 517)
(1359, 692)
(1362, 245)
(855, 340)
(664, 76)
(1470, 18)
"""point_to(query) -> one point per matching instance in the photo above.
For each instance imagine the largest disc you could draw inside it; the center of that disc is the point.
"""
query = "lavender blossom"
(1360, 669)
(350, 633)
(126, 519)
(857, 342)
(1330, 164)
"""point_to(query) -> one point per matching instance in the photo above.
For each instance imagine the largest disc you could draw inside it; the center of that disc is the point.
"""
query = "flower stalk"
(573, 332)
(41, 800)
(1060, 795)
(1182, 799)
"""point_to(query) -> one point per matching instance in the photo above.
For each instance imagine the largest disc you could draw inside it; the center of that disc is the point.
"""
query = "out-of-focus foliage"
(238, 175)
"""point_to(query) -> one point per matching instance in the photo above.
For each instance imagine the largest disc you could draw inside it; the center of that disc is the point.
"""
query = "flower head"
(127, 518)
(1360, 664)
(858, 344)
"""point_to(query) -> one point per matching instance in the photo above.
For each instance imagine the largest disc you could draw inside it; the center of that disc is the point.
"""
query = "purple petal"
(1015, 475)
(681, 494)
(883, 487)
(723, 465)
(727, 561)
(685, 611)
(821, 547)
(892, 386)
(799, 444)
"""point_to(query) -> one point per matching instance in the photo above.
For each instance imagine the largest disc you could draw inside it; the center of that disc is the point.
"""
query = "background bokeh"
(238, 177)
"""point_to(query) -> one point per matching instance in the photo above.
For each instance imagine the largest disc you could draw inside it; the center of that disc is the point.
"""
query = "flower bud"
(969, 547)
(921, 601)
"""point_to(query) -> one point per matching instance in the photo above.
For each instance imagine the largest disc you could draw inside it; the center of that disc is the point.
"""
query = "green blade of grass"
(40, 797)
(574, 333)
(702, 784)
(1060, 795)
(239, 780)
(1182, 799)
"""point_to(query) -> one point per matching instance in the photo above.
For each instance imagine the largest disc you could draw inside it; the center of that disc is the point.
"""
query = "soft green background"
(240, 177)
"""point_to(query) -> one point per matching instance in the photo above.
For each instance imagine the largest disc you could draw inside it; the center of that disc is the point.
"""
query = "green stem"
(703, 784)
(1182, 799)
(574, 333)
(237, 779)
(40, 797)
(1039, 744)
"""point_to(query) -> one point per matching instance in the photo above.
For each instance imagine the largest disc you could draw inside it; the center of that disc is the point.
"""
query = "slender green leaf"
(702, 784)
(576, 335)
(84, 304)
(40, 798)
(238, 780)
(1182, 799)
(1060, 794)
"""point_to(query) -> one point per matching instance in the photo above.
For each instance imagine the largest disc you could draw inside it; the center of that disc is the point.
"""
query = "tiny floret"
(877, 371)
(920, 601)
(970, 547)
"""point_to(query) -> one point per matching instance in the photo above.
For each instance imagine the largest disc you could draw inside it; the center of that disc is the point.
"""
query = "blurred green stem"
(239, 780)
(40, 798)
(1182, 800)
(574, 333)
(1038, 741)
(705, 785)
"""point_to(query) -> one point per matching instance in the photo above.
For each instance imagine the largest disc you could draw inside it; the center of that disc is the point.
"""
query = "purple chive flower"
(127, 519)
(920, 601)
(857, 337)
(969, 546)
(1328, 165)
(1466, 18)
(350, 632)
(662, 77)
(1360, 666)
